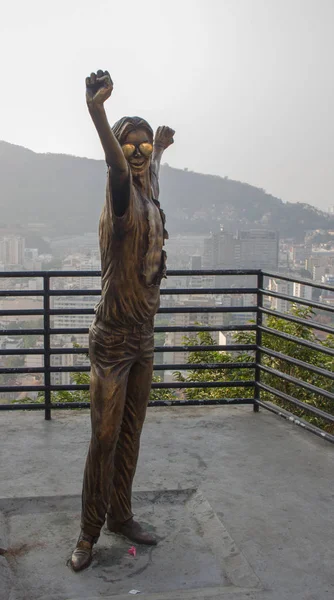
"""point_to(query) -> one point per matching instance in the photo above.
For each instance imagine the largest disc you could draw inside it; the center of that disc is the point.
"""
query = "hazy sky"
(247, 84)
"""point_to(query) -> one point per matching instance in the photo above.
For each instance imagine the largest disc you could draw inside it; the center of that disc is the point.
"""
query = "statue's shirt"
(132, 259)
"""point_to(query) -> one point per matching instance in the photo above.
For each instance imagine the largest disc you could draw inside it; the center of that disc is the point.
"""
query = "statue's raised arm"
(162, 140)
(99, 87)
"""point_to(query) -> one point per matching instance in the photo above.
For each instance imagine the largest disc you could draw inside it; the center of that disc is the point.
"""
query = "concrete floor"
(242, 504)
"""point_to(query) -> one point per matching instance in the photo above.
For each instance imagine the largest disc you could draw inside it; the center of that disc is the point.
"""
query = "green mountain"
(66, 193)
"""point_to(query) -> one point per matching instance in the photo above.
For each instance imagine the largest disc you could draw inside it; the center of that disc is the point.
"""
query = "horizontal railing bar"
(4, 293)
(308, 282)
(227, 348)
(295, 381)
(166, 367)
(68, 330)
(161, 329)
(22, 388)
(25, 406)
(202, 348)
(194, 328)
(72, 311)
(204, 366)
(281, 412)
(298, 320)
(11, 332)
(97, 273)
(23, 370)
(23, 274)
(84, 387)
(59, 274)
(207, 309)
(83, 350)
(154, 403)
(208, 291)
(200, 272)
(203, 384)
(297, 300)
(202, 402)
(297, 340)
(164, 310)
(157, 329)
(19, 312)
(297, 362)
(163, 292)
(12, 351)
(163, 385)
(75, 292)
(308, 407)
(73, 369)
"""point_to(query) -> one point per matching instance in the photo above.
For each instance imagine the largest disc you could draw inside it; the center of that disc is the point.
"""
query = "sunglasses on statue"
(145, 149)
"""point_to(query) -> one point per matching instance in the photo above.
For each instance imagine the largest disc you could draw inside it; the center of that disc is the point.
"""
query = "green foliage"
(157, 394)
(307, 355)
(280, 346)
(204, 338)
(73, 395)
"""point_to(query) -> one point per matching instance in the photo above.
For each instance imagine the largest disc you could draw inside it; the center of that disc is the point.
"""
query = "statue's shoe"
(82, 554)
(131, 530)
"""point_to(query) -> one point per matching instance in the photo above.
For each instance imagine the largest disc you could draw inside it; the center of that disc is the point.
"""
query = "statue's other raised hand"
(164, 137)
(98, 88)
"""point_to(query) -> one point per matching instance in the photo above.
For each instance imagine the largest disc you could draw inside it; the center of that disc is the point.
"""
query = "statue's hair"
(127, 124)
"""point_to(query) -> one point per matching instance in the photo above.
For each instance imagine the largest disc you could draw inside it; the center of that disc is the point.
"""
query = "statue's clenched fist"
(164, 137)
(98, 88)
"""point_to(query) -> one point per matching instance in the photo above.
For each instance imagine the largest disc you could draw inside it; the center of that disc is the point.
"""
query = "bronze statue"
(121, 340)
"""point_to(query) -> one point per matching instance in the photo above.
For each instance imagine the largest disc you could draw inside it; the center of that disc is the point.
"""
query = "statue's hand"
(98, 88)
(164, 137)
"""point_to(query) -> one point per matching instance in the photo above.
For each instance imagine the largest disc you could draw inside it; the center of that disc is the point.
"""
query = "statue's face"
(137, 149)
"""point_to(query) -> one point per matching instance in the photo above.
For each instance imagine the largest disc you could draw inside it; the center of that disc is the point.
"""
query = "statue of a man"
(121, 340)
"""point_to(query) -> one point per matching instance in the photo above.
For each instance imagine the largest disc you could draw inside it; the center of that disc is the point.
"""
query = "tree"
(278, 345)
(163, 394)
(302, 353)
(204, 338)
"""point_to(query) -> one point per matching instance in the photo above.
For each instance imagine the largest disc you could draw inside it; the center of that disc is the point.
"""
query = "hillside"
(66, 193)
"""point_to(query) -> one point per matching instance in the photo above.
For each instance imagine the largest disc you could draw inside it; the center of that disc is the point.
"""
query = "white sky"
(247, 84)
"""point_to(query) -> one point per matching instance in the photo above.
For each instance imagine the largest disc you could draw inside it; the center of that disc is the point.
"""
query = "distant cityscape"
(245, 249)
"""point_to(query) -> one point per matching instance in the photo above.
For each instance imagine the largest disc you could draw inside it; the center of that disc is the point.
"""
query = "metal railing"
(257, 353)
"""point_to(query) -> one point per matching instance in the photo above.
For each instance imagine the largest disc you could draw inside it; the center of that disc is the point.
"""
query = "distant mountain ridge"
(67, 193)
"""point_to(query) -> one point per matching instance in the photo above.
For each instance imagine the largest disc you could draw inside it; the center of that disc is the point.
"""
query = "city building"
(256, 249)
(252, 249)
(185, 319)
(12, 249)
(302, 291)
(61, 360)
(196, 262)
(288, 288)
(73, 320)
(280, 287)
(327, 296)
(320, 263)
(80, 262)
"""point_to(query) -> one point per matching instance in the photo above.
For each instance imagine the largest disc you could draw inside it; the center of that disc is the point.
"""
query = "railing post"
(47, 376)
(259, 318)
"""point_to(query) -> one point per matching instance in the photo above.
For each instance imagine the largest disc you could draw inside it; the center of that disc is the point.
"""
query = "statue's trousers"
(121, 376)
